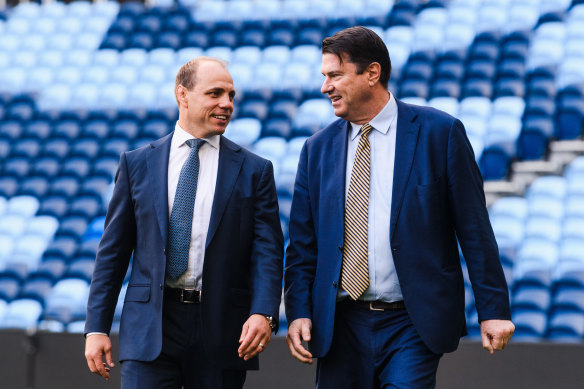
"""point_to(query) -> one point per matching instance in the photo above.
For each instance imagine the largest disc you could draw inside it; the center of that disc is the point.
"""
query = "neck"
(378, 100)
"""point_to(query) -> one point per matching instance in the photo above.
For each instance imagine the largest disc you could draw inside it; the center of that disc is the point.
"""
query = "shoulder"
(426, 114)
(327, 133)
(249, 156)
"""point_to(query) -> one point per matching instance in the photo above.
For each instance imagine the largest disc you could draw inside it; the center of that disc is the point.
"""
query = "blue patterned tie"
(181, 218)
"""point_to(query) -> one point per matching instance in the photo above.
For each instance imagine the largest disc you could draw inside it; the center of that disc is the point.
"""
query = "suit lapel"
(158, 175)
(405, 147)
(230, 160)
(338, 166)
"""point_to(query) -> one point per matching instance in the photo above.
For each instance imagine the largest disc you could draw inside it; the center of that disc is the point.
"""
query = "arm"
(266, 267)
(111, 264)
(477, 240)
(300, 265)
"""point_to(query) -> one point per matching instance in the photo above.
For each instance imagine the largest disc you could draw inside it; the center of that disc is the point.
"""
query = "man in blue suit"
(373, 279)
(199, 216)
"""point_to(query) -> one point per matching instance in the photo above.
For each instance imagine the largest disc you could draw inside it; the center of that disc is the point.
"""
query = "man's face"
(210, 101)
(348, 91)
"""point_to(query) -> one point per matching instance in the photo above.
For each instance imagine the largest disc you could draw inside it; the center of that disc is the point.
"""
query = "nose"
(326, 86)
(226, 102)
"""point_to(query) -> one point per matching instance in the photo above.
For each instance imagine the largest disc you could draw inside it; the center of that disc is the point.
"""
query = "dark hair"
(363, 47)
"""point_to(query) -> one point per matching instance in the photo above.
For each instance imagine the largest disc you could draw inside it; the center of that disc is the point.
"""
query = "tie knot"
(195, 143)
(366, 129)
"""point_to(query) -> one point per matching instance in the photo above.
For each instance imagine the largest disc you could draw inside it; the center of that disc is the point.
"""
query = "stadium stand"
(82, 82)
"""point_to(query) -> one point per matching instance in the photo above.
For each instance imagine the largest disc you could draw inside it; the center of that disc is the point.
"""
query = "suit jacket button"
(334, 284)
(341, 249)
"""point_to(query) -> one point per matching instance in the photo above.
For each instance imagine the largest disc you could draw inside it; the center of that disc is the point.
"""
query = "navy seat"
(56, 206)
(73, 226)
(69, 129)
(149, 23)
(88, 248)
(105, 166)
(155, 128)
(495, 160)
(283, 109)
(541, 87)
(445, 88)
(281, 37)
(253, 109)
(123, 24)
(534, 138)
(483, 50)
(39, 128)
(529, 325)
(417, 71)
(515, 51)
(65, 186)
(277, 127)
(87, 148)
(51, 268)
(11, 129)
(224, 38)
(114, 147)
(177, 21)
(141, 40)
(95, 228)
(196, 38)
(566, 327)
(46, 167)
(8, 186)
(9, 286)
(95, 186)
(63, 247)
(34, 186)
(481, 70)
(477, 88)
(97, 127)
(87, 207)
(509, 87)
(400, 17)
(36, 288)
(18, 167)
(115, 41)
(511, 69)
(531, 299)
(450, 70)
(569, 118)
(414, 88)
(57, 148)
(309, 36)
(26, 148)
(127, 129)
(5, 147)
(169, 39)
(77, 167)
(82, 269)
(539, 107)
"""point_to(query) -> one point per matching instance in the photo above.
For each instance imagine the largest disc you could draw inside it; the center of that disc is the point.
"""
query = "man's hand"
(255, 336)
(96, 347)
(298, 331)
(495, 334)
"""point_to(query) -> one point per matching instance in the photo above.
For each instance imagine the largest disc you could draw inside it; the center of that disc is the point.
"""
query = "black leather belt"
(379, 305)
(187, 296)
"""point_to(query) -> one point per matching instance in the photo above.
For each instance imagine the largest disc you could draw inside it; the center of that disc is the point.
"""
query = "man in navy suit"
(205, 284)
(373, 279)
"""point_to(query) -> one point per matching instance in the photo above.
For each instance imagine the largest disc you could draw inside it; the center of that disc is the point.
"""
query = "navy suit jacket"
(242, 271)
(437, 197)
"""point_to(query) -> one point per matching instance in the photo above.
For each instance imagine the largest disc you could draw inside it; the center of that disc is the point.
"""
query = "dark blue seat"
(511, 69)
(427, 56)
(253, 109)
(277, 127)
(88, 248)
(149, 23)
(115, 41)
(169, 114)
(509, 87)
(445, 88)
(65, 186)
(481, 70)
(17, 167)
(105, 167)
(177, 21)
(72, 226)
(127, 129)
(531, 298)
(37, 288)
(141, 40)
(515, 50)
(449, 70)
(534, 138)
(26, 148)
(20, 110)
(155, 128)
(485, 51)
(95, 228)
(283, 109)
(114, 147)
(51, 268)
(400, 17)
(87, 207)
(97, 127)
(225, 38)
(82, 268)
(39, 128)
(56, 148)
(77, 167)
(169, 39)
(281, 37)
(196, 39)
(68, 129)
(495, 160)
(414, 88)
(539, 106)
(11, 129)
(490, 37)
(56, 206)
(477, 88)
(37, 186)
(87, 148)
(5, 147)
(123, 24)
(62, 247)
(566, 327)
(9, 286)
(309, 36)
(95, 186)
(569, 119)
(541, 87)
(549, 17)
(530, 325)
(418, 71)
(8, 186)
(372, 20)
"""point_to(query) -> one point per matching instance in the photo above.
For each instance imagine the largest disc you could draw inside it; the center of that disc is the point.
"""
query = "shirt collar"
(181, 136)
(382, 121)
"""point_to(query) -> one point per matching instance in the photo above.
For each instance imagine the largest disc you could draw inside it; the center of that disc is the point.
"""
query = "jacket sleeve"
(113, 255)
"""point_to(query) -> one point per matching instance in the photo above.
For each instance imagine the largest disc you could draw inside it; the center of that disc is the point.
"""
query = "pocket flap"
(140, 293)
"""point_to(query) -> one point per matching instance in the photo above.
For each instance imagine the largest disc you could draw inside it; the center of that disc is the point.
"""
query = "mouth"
(335, 99)
(221, 117)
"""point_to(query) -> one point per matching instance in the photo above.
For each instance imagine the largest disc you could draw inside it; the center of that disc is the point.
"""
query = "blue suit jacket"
(437, 197)
(242, 272)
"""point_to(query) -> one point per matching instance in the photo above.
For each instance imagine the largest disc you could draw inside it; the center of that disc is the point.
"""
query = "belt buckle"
(182, 295)
(372, 308)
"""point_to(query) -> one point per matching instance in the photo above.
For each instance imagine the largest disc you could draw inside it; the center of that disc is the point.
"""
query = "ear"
(374, 72)
(181, 96)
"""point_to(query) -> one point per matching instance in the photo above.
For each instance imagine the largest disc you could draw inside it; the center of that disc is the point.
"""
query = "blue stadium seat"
(244, 131)
(56, 147)
(196, 38)
(37, 186)
(55, 206)
(27, 148)
(414, 88)
(10, 284)
(39, 128)
(17, 167)
(81, 269)
(569, 119)
(36, 288)
(105, 166)
(449, 70)
(477, 88)
(277, 127)
(537, 299)
(495, 159)
(566, 327)
(481, 70)
(77, 167)
(67, 300)
(529, 325)
(21, 313)
(72, 226)
(534, 138)
(8, 186)
(114, 147)
(253, 109)
(87, 207)
(63, 247)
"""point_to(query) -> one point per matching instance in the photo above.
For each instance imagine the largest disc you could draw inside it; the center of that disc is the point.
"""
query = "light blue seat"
(34, 42)
(27, 252)
(106, 57)
(81, 9)
(106, 8)
(6, 247)
(51, 326)
(512, 206)
(12, 225)
(268, 75)
(306, 53)
(295, 145)
(153, 74)
(67, 300)
(80, 58)
(446, 104)
(87, 41)
(69, 75)
(532, 298)
(568, 298)
(543, 228)
(250, 55)
(546, 207)
(52, 58)
(21, 313)
(134, 57)
(76, 327)
(571, 250)
(23, 205)
(3, 203)
(566, 327)
(97, 74)
(554, 187)
(540, 251)
(210, 10)
(276, 54)
(186, 54)
(244, 131)
(127, 74)
(295, 74)
(509, 231)
(113, 95)
(529, 325)
(272, 148)
(13, 80)
(427, 37)
(573, 226)
(43, 225)
(223, 53)
(56, 96)
(86, 95)
(162, 56)
(317, 111)
(242, 74)
(142, 94)
(477, 106)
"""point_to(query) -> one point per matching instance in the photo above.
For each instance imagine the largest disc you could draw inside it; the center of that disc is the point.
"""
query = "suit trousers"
(376, 349)
(182, 362)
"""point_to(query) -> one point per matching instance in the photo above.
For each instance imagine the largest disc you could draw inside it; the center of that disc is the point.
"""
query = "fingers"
(96, 347)
(298, 331)
(255, 336)
(496, 334)
(486, 338)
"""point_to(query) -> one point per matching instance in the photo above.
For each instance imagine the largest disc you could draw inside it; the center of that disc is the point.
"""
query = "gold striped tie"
(355, 270)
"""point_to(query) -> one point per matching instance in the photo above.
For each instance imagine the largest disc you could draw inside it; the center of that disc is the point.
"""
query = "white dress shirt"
(209, 161)
(383, 281)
